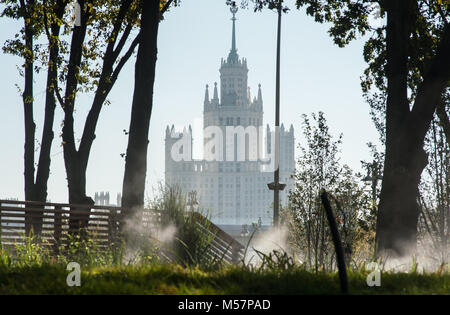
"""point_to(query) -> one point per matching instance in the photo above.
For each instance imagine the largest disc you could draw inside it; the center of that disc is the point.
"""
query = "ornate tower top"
(233, 56)
(233, 73)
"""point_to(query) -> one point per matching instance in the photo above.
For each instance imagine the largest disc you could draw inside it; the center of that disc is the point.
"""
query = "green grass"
(173, 279)
(31, 269)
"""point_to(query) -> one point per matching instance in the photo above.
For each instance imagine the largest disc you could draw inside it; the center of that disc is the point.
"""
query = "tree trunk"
(398, 212)
(398, 209)
(405, 158)
(74, 163)
(76, 160)
(30, 126)
(76, 180)
(43, 169)
(136, 156)
(36, 190)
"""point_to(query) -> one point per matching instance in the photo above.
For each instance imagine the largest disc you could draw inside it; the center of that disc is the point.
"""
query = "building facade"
(231, 180)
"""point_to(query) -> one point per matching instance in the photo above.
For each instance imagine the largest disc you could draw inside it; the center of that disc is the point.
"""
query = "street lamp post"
(276, 186)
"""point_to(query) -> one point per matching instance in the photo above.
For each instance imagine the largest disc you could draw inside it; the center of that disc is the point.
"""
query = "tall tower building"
(230, 180)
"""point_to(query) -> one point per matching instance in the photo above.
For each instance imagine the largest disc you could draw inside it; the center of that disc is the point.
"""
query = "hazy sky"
(315, 75)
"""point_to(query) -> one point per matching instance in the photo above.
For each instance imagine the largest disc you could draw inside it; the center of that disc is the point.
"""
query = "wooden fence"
(54, 221)
(101, 224)
(222, 246)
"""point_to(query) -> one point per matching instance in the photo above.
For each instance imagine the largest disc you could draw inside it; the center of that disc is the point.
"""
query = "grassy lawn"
(170, 279)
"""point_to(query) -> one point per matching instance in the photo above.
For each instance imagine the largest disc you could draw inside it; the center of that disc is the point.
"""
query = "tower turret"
(206, 101)
(260, 101)
(215, 99)
(167, 131)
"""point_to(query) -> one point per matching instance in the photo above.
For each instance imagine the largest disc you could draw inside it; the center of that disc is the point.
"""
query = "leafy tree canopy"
(352, 18)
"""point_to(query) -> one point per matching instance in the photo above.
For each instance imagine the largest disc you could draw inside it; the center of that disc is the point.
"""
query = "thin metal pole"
(276, 196)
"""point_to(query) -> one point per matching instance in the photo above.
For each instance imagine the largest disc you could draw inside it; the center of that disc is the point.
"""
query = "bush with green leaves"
(32, 250)
(319, 167)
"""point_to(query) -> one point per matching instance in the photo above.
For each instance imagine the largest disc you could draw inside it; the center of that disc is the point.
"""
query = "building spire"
(233, 40)
(216, 94)
(259, 94)
(206, 102)
(233, 56)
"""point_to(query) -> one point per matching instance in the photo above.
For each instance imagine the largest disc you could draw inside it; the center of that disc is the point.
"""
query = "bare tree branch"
(125, 57)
